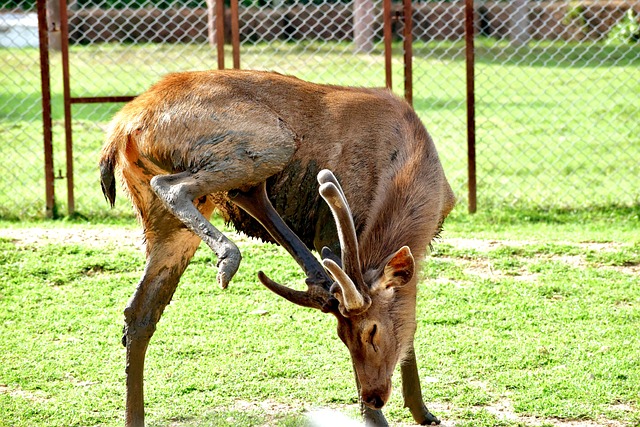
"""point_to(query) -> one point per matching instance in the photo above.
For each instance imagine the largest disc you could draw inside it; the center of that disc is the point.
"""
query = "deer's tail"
(108, 161)
(107, 173)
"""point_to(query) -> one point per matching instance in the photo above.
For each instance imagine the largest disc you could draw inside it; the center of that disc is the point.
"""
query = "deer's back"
(362, 135)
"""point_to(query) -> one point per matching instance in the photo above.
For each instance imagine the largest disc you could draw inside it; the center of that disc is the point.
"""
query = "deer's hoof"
(227, 268)
(429, 419)
(223, 280)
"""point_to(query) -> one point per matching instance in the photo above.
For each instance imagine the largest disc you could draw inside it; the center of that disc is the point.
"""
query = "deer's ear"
(399, 269)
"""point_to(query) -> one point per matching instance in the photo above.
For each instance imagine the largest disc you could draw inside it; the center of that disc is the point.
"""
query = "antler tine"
(315, 297)
(354, 299)
(332, 193)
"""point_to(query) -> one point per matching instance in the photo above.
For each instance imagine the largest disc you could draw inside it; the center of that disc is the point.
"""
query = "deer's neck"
(407, 205)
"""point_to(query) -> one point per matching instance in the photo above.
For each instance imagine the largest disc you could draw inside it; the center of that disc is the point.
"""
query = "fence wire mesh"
(559, 104)
(557, 87)
(22, 171)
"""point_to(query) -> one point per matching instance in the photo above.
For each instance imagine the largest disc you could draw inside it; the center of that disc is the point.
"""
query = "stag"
(264, 150)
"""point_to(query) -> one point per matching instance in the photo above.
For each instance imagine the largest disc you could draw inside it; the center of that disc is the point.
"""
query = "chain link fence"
(557, 88)
(558, 113)
(22, 190)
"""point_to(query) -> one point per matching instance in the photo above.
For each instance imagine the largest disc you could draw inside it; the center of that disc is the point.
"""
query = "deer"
(348, 172)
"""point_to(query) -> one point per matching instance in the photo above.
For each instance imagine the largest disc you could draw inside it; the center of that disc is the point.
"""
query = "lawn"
(528, 312)
(524, 319)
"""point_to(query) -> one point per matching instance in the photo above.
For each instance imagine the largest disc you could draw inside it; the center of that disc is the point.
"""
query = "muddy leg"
(413, 394)
(235, 165)
(177, 192)
(170, 247)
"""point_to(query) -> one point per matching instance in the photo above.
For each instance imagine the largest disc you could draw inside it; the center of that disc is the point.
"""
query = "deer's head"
(375, 308)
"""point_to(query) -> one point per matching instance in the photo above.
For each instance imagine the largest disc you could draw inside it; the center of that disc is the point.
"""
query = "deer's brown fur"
(216, 140)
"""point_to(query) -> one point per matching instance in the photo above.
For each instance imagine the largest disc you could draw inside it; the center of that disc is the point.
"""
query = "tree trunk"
(363, 29)
(53, 22)
(519, 26)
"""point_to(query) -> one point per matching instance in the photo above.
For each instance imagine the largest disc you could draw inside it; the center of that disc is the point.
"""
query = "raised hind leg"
(221, 167)
(170, 247)
(177, 192)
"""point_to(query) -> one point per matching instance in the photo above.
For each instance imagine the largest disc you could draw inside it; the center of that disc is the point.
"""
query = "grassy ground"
(524, 319)
(526, 316)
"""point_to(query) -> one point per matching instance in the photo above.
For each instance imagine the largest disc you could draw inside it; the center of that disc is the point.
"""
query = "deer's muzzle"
(376, 399)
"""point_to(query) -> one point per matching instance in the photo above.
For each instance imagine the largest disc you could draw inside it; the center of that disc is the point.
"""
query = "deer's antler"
(351, 291)
(257, 204)
(315, 296)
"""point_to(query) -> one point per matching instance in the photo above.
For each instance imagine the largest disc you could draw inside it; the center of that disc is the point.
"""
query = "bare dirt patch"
(489, 245)
(484, 268)
(36, 396)
(503, 410)
(115, 237)
(269, 407)
(94, 237)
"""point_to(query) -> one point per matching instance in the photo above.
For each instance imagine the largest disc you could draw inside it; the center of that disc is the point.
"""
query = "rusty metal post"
(471, 118)
(408, 51)
(235, 34)
(45, 85)
(386, 12)
(220, 32)
(66, 90)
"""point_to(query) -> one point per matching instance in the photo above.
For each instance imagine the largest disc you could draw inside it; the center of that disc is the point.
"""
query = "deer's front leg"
(372, 417)
(412, 392)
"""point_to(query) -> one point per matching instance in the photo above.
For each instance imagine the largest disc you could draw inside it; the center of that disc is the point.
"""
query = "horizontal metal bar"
(99, 99)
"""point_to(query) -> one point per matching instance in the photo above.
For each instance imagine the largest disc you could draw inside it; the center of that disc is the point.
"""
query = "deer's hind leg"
(177, 192)
(239, 161)
(170, 247)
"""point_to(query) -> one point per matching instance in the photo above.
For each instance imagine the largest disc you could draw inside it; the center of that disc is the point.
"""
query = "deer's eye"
(372, 339)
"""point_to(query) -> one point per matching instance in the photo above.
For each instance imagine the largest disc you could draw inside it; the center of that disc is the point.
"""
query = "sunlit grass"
(536, 313)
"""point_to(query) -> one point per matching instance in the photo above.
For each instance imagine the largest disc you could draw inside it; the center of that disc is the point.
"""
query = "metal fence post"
(408, 51)
(220, 32)
(45, 84)
(471, 113)
(235, 34)
(66, 89)
(386, 29)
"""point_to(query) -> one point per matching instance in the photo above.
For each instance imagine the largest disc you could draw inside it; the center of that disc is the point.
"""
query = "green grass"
(539, 313)
(556, 123)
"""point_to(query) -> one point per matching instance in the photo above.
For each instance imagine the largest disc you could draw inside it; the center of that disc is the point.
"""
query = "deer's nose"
(374, 401)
